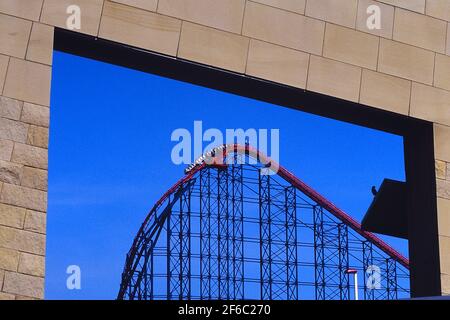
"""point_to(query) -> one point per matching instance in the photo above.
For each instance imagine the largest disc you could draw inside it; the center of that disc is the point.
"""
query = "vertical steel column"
(174, 255)
(213, 221)
(147, 272)
(223, 233)
(185, 245)
(291, 243)
(265, 236)
(147, 269)
(237, 204)
(168, 255)
(152, 271)
(391, 279)
(205, 234)
(369, 293)
(344, 283)
(319, 254)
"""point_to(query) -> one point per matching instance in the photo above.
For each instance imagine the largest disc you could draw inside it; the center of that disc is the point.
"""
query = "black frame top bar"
(231, 82)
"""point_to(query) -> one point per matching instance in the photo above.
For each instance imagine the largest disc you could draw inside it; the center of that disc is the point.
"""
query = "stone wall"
(309, 44)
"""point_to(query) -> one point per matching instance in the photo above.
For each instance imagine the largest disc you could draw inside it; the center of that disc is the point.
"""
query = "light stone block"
(283, 28)
(54, 13)
(24, 197)
(297, 6)
(442, 72)
(430, 104)
(225, 15)
(35, 221)
(40, 47)
(27, 9)
(278, 64)
(419, 30)
(10, 108)
(351, 46)
(14, 34)
(439, 9)
(149, 5)
(34, 178)
(21, 240)
(13, 130)
(28, 81)
(12, 216)
(35, 114)
(441, 145)
(6, 148)
(413, 5)
(24, 298)
(445, 284)
(341, 12)
(9, 260)
(38, 136)
(387, 20)
(325, 76)
(444, 217)
(4, 61)
(443, 189)
(30, 156)
(32, 264)
(140, 28)
(444, 248)
(448, 39)
(441, 169)
(10, 172)
(6, 296)
(385, 92)
(16, 283)
(406, 61)
(213, 47)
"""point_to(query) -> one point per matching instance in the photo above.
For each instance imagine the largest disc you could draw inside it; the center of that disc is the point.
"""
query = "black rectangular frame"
(418, 135)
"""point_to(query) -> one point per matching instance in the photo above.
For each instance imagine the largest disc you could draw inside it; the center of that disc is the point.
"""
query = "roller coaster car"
(220, 166)
(388, 214)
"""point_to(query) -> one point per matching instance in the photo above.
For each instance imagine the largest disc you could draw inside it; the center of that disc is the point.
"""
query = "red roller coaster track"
(303, 187)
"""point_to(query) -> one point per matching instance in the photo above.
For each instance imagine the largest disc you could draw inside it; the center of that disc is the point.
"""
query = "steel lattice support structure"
(233, 231)
(368, 262)
(391, 279)
(344, 264)
(237, 220)
(185, 245)
(265, 238)
(319, 254)
(291, 243)
(205, 234)
(223, 233)
(174, 256)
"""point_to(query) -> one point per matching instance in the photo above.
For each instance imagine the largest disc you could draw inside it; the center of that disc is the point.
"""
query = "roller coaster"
(235, 228)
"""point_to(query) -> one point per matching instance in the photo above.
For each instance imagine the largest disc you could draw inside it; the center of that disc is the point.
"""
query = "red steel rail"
(299, 184)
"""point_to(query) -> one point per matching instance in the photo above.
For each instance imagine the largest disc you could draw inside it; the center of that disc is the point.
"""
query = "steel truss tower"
(231, 231)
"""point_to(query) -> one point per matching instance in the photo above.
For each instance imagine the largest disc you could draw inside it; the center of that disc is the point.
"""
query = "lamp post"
(355, 275)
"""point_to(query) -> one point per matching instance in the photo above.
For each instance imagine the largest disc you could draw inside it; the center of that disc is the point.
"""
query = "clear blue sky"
(110, 161)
